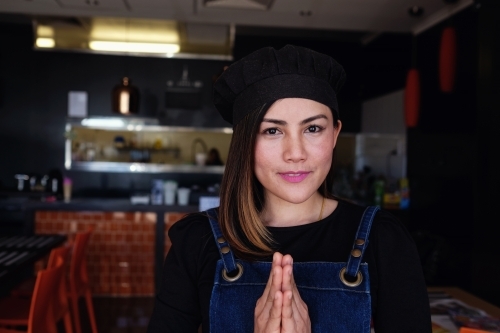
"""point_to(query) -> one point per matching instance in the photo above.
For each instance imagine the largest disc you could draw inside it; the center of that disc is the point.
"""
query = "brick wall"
(120, 256)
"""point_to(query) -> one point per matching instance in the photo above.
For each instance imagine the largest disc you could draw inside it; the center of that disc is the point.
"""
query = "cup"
(200, 158)
(67, 187)
(183, 196)
(169, 189)
(157, 192)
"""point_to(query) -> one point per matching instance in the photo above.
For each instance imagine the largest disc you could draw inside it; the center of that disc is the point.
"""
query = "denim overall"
(335, 303)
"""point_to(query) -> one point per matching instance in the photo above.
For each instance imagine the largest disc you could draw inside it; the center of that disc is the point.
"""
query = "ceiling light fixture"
(134, 47)
(45, 42)
(135, 37)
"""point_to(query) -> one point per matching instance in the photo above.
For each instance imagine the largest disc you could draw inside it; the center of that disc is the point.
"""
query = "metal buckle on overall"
(233, 278)
(355, 283)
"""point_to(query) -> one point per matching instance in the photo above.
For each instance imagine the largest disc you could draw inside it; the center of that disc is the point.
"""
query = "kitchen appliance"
(22, 182)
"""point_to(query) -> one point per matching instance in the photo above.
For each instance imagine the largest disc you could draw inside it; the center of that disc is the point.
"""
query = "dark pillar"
(159, 248)
(486, 266)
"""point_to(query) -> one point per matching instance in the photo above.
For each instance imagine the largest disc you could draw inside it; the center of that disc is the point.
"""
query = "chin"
(295, 198)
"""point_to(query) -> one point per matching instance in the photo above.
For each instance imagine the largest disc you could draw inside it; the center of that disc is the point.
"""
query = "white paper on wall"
(77, 104)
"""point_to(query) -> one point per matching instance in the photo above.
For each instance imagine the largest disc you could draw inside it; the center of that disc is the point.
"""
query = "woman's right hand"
(280, 309)
(267, 316)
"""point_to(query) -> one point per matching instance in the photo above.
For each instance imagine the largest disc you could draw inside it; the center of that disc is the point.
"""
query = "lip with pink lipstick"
(294, 176)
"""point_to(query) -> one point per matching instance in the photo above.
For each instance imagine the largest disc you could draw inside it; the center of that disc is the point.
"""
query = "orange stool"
(43, 305)
(79, 282)
(17, 309)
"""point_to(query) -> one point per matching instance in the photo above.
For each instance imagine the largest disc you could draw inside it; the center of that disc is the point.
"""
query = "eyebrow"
(303, 122)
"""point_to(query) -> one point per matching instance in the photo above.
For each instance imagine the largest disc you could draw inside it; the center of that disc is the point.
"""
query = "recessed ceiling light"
(45, 42)
(415, 11)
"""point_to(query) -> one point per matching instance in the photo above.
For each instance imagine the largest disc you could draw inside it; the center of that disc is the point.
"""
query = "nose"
(294, 149)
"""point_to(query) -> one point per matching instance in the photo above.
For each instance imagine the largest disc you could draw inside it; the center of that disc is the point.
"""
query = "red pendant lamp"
(412, 98)
(412, 92)
(447, 59)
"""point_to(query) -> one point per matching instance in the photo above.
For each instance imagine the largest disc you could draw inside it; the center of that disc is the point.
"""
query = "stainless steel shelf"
(137, 124)
(145, 167)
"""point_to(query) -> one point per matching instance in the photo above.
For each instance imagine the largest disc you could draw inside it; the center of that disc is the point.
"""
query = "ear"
(337, 132)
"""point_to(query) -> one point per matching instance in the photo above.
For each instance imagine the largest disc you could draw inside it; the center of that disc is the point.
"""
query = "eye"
(271, 131)
(314, 129)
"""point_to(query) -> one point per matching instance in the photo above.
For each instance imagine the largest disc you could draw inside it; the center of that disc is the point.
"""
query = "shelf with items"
(131, 145)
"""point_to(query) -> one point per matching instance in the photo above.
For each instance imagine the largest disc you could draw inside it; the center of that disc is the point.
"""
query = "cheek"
(323, 150)
(265, 153)
(263, 159)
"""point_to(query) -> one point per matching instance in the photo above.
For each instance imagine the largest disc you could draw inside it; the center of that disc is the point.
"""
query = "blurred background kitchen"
(107, 124)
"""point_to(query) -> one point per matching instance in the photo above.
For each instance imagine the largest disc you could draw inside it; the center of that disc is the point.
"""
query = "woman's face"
(294, 149)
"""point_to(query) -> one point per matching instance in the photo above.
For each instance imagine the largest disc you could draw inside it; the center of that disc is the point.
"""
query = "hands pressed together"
(280, 309)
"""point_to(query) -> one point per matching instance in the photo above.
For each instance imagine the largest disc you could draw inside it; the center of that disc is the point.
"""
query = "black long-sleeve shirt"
(399, 295)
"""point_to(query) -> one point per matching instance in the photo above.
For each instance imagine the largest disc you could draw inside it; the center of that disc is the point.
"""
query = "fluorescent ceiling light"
(45, 42)
(134, 30)
(133, 47)
(106, 122)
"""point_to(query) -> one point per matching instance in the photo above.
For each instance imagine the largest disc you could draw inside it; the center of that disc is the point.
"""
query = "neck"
(281, 213)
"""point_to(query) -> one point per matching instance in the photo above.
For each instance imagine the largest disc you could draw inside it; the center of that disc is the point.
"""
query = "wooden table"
(21, 252)
(468, 298)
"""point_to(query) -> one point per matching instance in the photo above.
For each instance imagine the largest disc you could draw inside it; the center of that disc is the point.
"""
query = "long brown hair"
(242, 195)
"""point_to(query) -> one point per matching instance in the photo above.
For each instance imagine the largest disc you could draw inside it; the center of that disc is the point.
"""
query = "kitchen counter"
(93, 204)
(108, 205)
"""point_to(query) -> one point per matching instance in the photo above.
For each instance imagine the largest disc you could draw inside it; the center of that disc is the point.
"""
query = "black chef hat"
(267, 75)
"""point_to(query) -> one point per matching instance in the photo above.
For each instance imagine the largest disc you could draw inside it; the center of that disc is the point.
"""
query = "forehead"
(297, 108)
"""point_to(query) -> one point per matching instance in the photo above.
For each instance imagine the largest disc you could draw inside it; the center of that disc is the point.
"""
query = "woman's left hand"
(294, 313)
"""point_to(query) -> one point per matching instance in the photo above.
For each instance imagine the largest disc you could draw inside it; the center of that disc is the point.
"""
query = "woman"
(281, 253)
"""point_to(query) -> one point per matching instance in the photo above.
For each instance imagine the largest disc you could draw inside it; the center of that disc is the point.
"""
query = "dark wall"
(486, 188)
(452, 154)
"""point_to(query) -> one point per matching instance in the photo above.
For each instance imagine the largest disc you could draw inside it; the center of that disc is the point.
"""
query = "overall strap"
(361, 240)
(224, 249)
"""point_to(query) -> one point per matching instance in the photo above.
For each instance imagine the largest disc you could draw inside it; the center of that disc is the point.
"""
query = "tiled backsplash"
(120, 256)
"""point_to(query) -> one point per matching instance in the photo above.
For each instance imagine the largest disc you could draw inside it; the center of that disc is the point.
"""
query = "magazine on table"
(448, 315)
